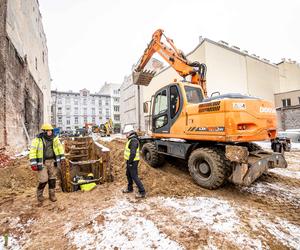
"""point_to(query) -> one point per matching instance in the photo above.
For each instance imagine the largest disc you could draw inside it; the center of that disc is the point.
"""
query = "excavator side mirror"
(215, 94)
(146, 107)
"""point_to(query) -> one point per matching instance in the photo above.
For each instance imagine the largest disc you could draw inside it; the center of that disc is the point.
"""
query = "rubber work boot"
(51, 184)
(140, 195)
(40, 190)
(52, 195)
(126, 191)
(39, 195)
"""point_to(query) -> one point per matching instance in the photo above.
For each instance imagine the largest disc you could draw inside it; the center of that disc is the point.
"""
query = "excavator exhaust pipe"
(143, 77)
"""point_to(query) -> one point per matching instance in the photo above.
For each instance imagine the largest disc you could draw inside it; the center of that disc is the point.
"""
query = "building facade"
(287, 99)
(131, 107)
(24, 78)
(72, 110)
(113, 90)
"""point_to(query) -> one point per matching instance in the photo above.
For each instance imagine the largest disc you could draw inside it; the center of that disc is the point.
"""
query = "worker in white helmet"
(132, 157)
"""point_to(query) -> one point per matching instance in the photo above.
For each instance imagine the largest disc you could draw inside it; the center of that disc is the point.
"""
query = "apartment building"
(113, 90)
(72, 110)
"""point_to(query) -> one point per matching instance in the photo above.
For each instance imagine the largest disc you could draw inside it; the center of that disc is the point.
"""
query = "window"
(59, 119)
(75, 101)
(116, 99)
(107, 101)
(93, 111)
(59, 109)
(76, 110)
(174, 101)
(68, 121)
(160, 105)
(68, 109)
(107, 111)
(286, 102)
(93, 101)
(116, 108)
(93, 120)
(161, 121)
(85, 119)
(59, 101)
(193, 95)
(84, 101)
(117, 117)
(100, 111)
(76, 120)
(85, 111)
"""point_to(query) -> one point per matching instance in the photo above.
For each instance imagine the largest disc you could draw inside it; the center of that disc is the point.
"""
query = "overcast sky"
(92, 41)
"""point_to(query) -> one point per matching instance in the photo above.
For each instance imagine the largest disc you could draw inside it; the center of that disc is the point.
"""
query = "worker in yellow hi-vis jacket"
(46, 155)
(132, 157)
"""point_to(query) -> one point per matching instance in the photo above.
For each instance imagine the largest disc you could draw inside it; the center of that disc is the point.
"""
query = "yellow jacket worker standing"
(132, 158)
(45, 156)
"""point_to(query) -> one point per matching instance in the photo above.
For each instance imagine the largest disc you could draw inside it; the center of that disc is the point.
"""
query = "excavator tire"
(151, 156)
(208, 167)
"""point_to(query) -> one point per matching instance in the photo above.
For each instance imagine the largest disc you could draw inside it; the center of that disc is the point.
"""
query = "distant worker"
(132, 157)
(46, 155)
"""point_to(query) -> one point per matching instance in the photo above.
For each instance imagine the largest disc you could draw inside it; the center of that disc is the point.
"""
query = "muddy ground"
(177, 214)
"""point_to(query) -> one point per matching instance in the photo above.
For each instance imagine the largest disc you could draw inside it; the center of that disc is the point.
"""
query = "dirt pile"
(172, 179)
(16, 177)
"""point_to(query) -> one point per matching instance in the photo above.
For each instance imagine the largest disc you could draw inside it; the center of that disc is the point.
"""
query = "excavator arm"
(174, 57)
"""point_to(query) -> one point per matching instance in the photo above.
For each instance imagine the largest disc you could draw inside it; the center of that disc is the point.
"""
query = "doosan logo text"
(266, 110)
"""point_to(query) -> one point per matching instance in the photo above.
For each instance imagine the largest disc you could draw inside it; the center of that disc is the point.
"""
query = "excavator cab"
(168, 103)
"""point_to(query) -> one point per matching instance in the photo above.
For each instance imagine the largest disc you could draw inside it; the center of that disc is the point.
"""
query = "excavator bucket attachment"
(143, 77)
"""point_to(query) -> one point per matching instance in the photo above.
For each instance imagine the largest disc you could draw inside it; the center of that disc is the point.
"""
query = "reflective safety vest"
(127, 152)
(87, 186)
(37, 148)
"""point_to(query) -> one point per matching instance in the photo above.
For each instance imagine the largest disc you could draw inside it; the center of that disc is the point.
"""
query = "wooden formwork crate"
(84, 156)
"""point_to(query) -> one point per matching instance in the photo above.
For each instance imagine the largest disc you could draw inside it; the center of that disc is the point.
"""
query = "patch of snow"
(275, 191)
(13, 243)
(295, 146)
(123, 227)
(103, 149)
(285, 172)
(285, 232)
(215, 214)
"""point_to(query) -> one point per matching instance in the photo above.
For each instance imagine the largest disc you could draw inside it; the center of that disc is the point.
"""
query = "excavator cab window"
(174, 101)
(193, 95)
(161, 104)
(160, 109)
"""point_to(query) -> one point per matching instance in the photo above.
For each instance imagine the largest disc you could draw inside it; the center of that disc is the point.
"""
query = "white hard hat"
(128, 128)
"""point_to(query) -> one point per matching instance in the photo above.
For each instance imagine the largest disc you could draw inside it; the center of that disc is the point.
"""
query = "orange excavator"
(214, 135)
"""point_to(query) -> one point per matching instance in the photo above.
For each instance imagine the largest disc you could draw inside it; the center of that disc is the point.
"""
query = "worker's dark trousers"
(132, 176)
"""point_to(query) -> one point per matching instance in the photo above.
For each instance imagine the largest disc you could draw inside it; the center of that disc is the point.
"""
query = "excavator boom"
(174, 57)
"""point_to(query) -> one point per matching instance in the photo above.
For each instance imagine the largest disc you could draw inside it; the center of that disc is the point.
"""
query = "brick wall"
(289, 117)
(21, 100)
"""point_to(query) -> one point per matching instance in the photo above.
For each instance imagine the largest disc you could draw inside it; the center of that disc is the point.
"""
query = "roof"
(77, 93)
(235, 50)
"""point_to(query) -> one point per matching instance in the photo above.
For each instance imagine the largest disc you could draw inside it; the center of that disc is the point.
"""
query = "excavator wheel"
(208, 167)
(151, 156)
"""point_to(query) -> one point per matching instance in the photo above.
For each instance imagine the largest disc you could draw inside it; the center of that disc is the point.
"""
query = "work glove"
(34, 167)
